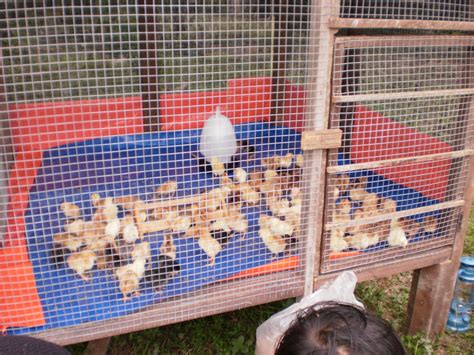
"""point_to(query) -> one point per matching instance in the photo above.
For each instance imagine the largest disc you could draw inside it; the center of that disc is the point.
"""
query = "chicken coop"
(165, 160)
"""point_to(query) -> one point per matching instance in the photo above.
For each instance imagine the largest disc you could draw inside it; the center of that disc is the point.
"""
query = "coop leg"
(430, 297)
(97, 347)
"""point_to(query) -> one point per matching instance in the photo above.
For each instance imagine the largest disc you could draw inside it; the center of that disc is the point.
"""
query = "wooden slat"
(401, 95)
(385, 269)
(338, 23)
(317, 118)
(403, 41)
(390, 162)
(399, 214)
(226, 297)
(324, 139)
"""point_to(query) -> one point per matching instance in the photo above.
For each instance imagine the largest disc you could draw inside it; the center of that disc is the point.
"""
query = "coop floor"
(134, 165)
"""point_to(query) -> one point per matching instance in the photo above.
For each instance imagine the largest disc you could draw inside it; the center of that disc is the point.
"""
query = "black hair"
(337, 328)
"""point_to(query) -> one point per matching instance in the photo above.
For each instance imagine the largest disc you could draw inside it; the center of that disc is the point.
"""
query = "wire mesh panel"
(155, 170)
(396, 185)
(434, 10)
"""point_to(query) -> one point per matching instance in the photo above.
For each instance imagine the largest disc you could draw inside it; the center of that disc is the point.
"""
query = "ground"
(234, 332)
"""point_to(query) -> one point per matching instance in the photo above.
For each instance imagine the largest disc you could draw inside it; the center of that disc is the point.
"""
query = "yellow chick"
(112, 230)
(387, 205)
(142, 251)
(129, 284)
(109, 209)
(168, 248)
(270, 163)
(167, 189)
(370, 205)
(275, 243)
(342, 212)
(280, 228)
(227, 184)
(249, 195)
(341, 185)
(397, 236)
(285, 161)
(71, 210)
(410, 226)
(299, 161)
(240, 175)
(75, 227)
(82, 262)
(219, 224)
(279, 207)
(360, 240)
(130, 231)
(138, 267)
(430, 224)
(337, 242)
(181, 224)
(255, 179)
(238, 223)
(357, 190)
(210, 246)
(218, 168)
(96, 200)
(270, 176)
(69, 241)
(92, 232)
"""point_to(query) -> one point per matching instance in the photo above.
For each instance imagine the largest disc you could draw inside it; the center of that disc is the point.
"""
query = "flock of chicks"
(354, 203)
(213, 218)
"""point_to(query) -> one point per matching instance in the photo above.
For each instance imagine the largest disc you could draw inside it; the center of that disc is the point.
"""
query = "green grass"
(234, 332)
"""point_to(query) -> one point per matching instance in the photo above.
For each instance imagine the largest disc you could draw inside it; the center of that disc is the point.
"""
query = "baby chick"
(130, 231)
(82, 262)
(167, 189)
(240, 175)
(337, 242)
(357, 190)
(75, 227)
(129, 283)
(255, 179)
(284, 162)
(96, 200)
(218, 168)
(142, 251)
(430, 224)
(410, 226)
(370, 205)
(397, 236)
(275, 243)
(387, 205)
(280, 228)
(279, 207)
(342, 212)
(159, 277)
(181, 224)
(238, 223)
(112, 230)
(270, 176)
(341, 185)
(270, 163)
(249, 195)
(109, 209)
(68, 241)
(70, 210)
(210, 246)
(168, 248)
(299, 160)
(138, 267)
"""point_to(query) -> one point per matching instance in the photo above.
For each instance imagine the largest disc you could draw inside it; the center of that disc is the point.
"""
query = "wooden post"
(280, 57)
(432, 287)
(318, 91)
(149, 37)
(6, 154)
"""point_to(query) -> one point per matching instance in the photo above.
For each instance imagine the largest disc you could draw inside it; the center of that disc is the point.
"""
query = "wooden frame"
(435, 269)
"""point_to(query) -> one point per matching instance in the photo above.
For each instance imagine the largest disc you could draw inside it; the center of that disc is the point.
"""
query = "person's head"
(334, 328)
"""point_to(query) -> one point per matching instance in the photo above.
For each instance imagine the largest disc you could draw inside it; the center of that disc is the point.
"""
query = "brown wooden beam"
(401, 24)
(149, 74)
